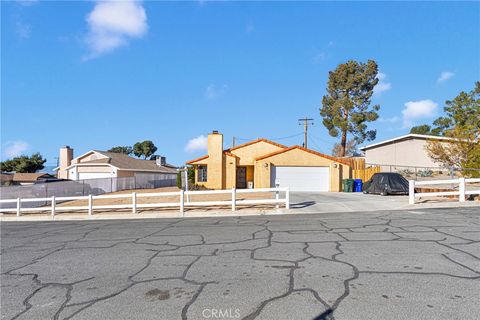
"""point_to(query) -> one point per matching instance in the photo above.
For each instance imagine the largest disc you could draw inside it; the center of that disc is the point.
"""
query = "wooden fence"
(365, 174)
(356, 163)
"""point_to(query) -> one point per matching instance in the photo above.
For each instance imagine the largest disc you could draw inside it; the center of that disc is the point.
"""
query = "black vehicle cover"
(388, 183)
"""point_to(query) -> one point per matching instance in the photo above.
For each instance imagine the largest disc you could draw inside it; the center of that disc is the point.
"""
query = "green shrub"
(425, 173)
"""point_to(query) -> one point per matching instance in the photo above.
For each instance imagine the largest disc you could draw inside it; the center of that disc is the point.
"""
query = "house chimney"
(161, 161)
(64, 160)
(215, 160)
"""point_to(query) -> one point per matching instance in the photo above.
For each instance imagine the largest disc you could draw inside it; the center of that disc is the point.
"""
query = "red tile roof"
(198, 159)
(306, 150)
(256, 141)
(228, 151)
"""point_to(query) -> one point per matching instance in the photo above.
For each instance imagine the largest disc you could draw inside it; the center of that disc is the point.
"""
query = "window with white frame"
(202, 174)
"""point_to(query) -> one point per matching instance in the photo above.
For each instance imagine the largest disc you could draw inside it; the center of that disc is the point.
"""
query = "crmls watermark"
(227, 313)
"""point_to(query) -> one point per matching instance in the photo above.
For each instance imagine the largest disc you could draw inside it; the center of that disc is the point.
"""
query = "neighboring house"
(263, 164)
(18, 178)
(31, 178)
(6, 179)
(407, 150)
(100, 164)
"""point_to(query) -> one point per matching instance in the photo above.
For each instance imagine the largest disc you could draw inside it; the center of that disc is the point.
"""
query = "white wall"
(410, 152)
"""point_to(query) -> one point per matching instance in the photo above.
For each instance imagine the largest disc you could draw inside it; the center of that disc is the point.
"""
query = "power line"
(314, 142)
(279, 138)
(319, 139)
(306, 121)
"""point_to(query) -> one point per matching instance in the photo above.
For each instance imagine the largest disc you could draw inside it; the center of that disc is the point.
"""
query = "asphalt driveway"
(417, 264)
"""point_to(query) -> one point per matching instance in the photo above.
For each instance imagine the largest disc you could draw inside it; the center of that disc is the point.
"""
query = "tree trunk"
(343, 144)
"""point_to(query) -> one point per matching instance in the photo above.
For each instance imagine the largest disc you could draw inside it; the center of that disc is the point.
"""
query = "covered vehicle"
(386, 183)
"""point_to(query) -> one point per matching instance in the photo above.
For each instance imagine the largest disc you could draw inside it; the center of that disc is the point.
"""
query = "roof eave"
(406, 136)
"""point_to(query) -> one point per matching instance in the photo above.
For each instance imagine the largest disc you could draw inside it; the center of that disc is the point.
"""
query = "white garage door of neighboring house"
(301, 178)
(93, 175)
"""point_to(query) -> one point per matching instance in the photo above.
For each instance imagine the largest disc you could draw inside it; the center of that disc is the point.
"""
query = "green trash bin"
(348, 185)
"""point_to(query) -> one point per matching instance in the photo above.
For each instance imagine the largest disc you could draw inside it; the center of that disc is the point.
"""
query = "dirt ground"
(161, 199)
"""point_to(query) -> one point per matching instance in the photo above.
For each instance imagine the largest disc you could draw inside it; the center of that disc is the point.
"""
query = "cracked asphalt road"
(422, 264)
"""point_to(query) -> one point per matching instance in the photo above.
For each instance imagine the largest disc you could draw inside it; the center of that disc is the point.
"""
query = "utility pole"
(233, 142)
(305, 121)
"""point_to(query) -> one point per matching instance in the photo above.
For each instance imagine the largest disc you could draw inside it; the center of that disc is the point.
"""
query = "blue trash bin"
(357, 185)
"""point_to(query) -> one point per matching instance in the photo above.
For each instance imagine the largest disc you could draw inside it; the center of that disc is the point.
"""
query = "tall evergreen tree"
(144, 149)
(24, 164)
(346, 106)
(122, 149)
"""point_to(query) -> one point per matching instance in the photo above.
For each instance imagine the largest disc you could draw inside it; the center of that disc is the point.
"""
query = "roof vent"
(215, 131)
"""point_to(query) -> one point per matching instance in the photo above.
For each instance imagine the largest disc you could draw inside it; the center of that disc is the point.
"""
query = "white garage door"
(301, 178)
(93, 175)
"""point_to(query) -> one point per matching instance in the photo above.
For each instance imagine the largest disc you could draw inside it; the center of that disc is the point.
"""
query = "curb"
(240, 213)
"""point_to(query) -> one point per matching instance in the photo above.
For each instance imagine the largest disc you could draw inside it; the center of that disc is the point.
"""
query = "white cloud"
(415, 110)
(444, 76)
(197, 144)
(382, 85)
(213, 91)
(111, 24)
(15, 148)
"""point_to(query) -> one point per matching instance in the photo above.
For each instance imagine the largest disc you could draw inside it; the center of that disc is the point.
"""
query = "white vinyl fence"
(461, 193)
(62, 189)
(181, 204)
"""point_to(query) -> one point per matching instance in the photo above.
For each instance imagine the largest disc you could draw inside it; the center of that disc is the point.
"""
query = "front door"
(241, 177)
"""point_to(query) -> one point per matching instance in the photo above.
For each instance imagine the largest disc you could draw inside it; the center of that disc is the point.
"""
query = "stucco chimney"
(215, 160)
(64, 160)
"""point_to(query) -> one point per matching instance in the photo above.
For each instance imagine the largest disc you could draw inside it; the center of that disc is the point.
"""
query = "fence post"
(287, 199)
(182, 202)
(53, 206)
(411, 191)
(461, 190)
(19, 205)
(90, 204)
(234, 199)
(134, 202)
(46, 192)
(277, 197)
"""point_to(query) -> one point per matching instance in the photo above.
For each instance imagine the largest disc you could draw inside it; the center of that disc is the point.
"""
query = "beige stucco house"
(404, 151)
(263, 164)
(100, 164)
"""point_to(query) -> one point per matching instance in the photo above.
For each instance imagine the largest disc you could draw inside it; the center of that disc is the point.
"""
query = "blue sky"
(95, 75)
